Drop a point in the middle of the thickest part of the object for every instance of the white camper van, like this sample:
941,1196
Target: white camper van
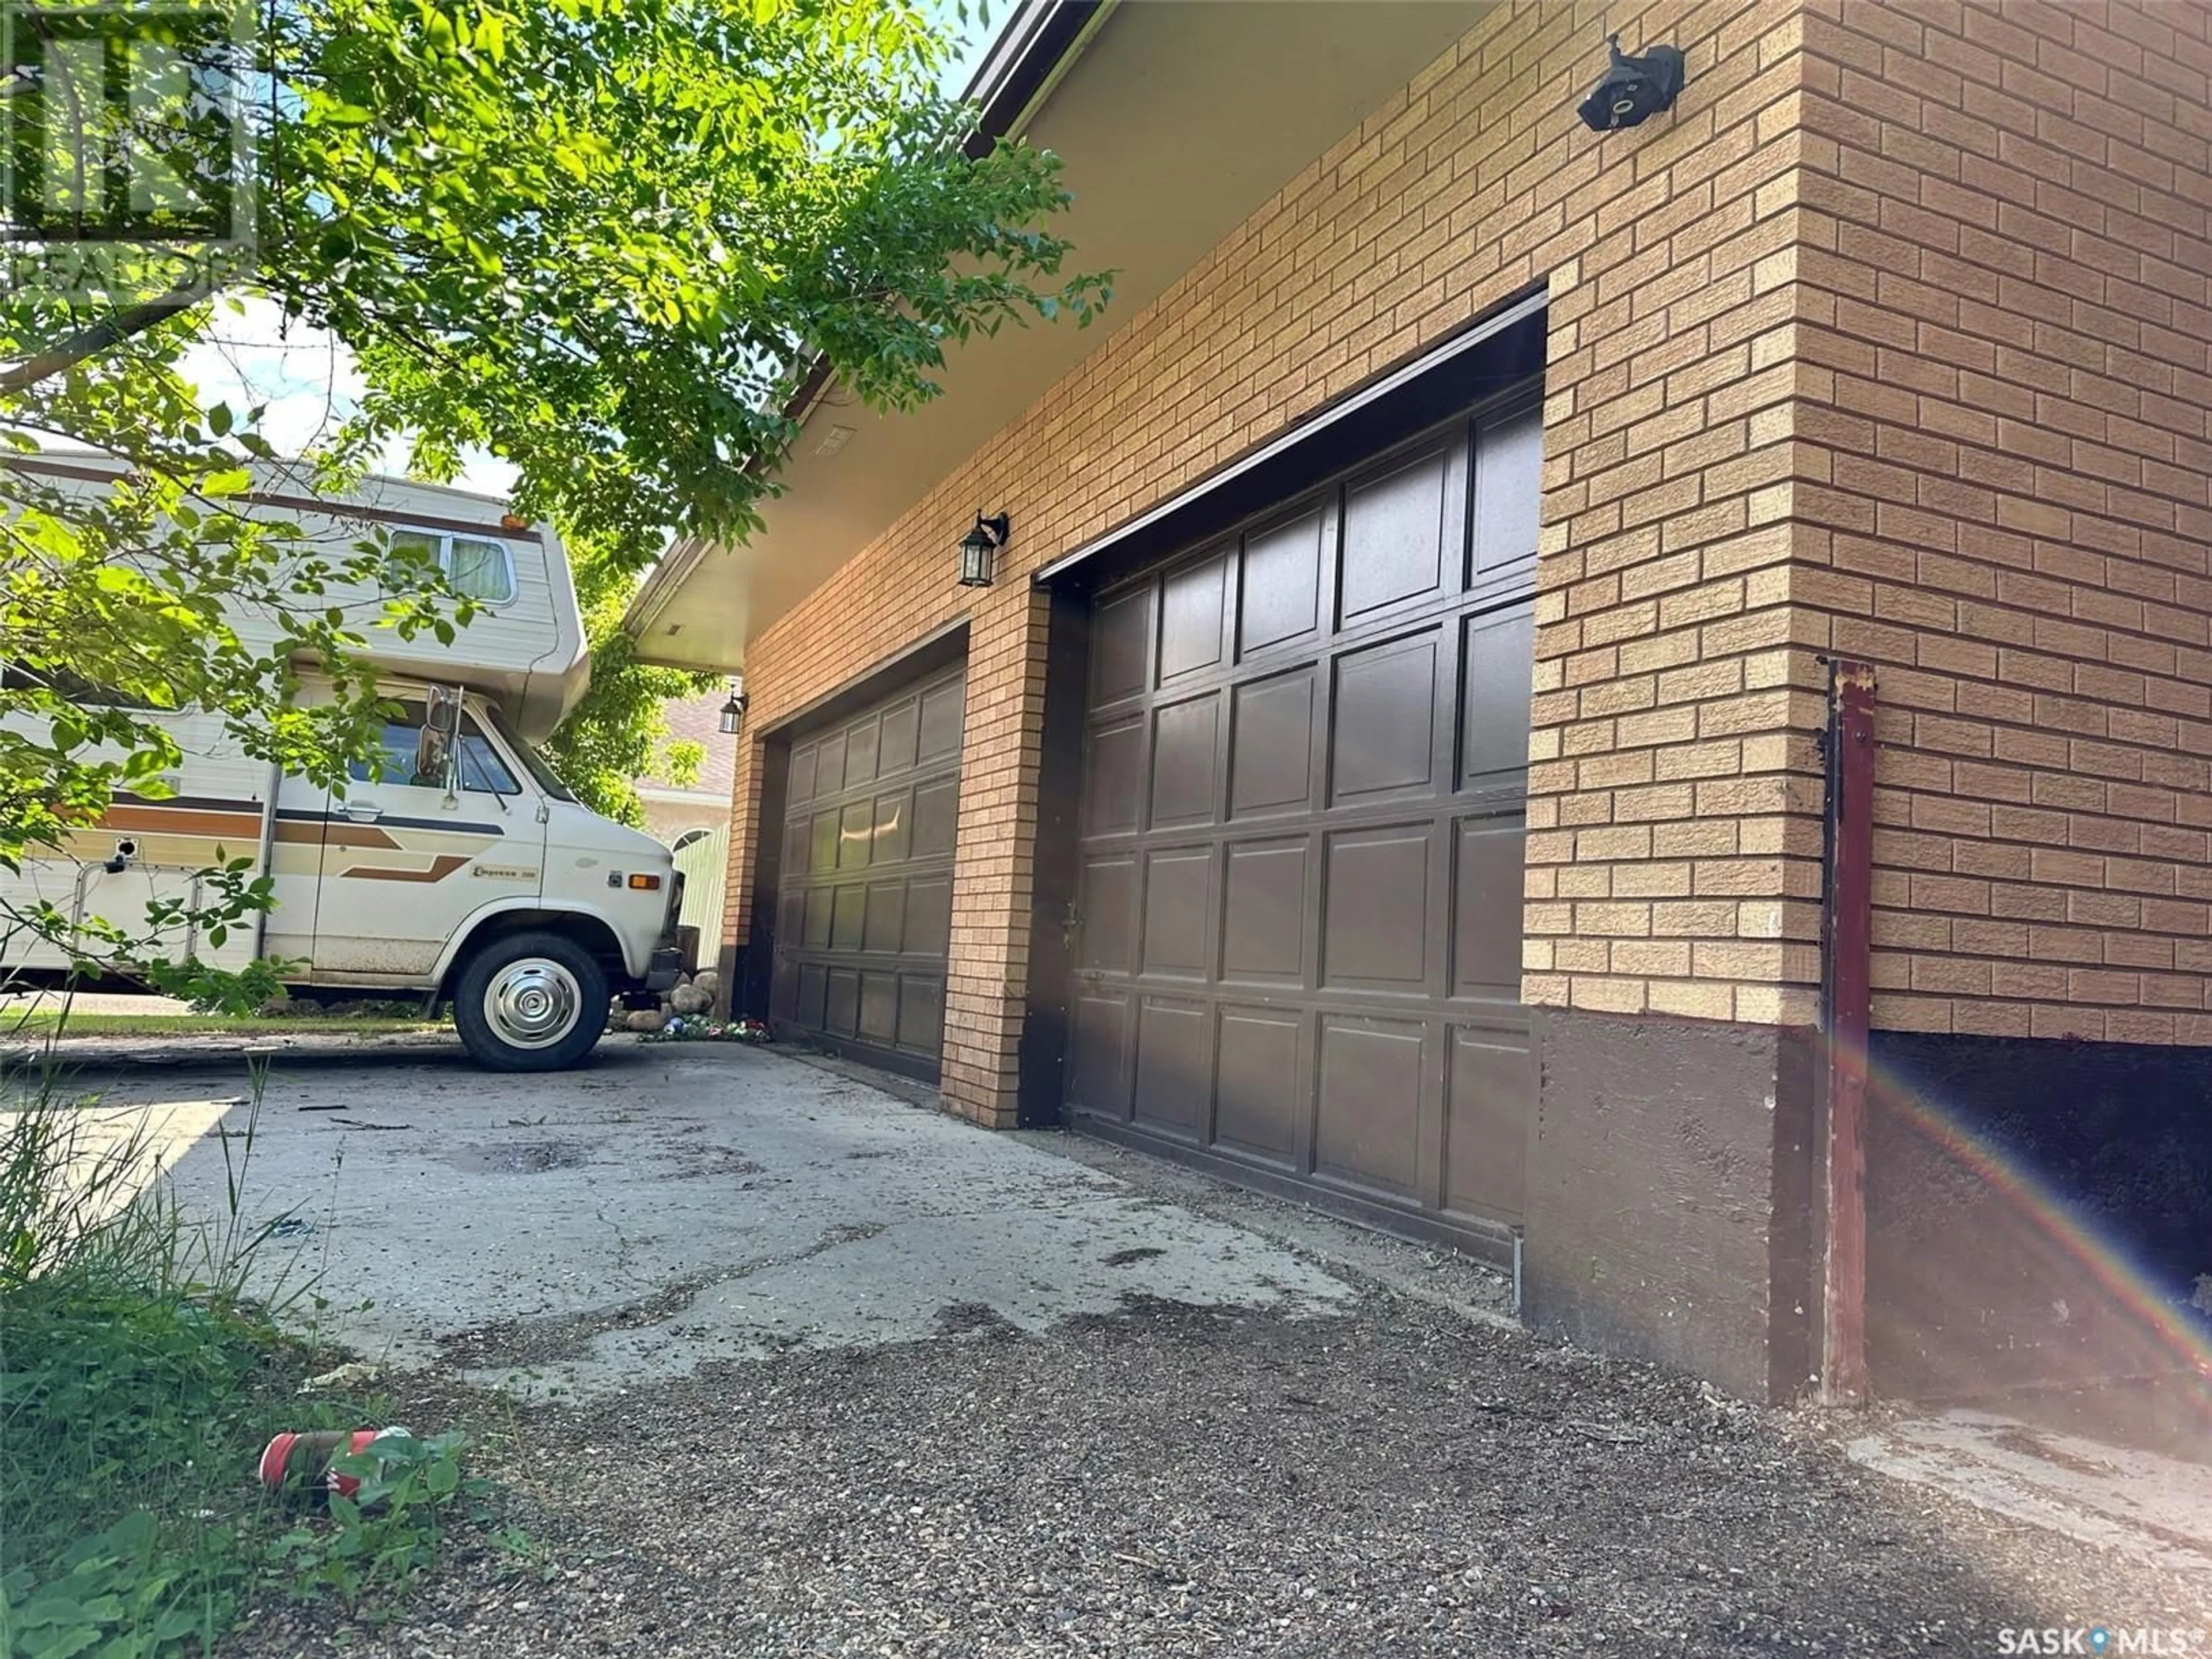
460,870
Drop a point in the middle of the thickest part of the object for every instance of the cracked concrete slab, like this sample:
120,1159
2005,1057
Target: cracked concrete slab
2142,1505
671,1206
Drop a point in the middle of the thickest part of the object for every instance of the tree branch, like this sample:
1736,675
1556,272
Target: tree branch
110,330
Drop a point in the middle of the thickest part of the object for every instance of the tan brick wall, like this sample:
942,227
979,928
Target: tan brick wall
1674,799
2007,350
1670,679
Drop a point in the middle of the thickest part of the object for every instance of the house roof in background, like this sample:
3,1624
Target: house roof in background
699,720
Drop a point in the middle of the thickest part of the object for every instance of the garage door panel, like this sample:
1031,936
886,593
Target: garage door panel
830,765
895,752
1098,1070
1367,1127
1509,487
920,1014
798,784
856,828
1193,609
1495,680
813,994
1487,1123
842,1015
859,955
1271,744
928,930
1400,539
1113,778
1486,901
1259,1088
1377,915
1186,745
816,936
1263,912
939,722
1279,597
1382,733
888,838
1175,1066
1121,646
936,818
1302,865
848,916
882,928
1178,907
861,752
1109,910
878,1019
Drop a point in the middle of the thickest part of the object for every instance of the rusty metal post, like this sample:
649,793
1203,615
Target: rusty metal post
1848,995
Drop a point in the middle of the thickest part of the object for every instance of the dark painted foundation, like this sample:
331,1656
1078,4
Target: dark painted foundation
1671,1196
1992,1166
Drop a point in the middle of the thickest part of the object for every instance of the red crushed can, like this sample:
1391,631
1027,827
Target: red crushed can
305,1458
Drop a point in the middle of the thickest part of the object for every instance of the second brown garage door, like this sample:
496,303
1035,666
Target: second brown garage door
1305,771
864,911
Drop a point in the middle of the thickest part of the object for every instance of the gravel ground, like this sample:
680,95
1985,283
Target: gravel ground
1398,1481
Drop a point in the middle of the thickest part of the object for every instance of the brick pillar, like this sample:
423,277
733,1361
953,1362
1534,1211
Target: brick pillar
1675,847
986,972
737,888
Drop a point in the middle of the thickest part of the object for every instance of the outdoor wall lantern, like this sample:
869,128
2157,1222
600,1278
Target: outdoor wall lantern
1633,87
733,711
979,548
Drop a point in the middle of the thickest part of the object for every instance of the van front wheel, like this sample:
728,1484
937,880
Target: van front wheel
532,1002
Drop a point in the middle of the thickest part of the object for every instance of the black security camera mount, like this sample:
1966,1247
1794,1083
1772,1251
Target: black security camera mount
1634,88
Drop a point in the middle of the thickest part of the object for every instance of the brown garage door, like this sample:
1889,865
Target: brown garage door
1305,770
864,909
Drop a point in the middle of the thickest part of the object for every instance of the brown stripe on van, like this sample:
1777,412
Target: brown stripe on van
183,820
441,866
332,833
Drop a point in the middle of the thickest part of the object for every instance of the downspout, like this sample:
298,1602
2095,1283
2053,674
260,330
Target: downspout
1847,996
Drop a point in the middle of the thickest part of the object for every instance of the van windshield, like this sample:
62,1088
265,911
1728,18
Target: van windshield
532,762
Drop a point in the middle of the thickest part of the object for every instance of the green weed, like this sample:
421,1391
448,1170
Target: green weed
138,1382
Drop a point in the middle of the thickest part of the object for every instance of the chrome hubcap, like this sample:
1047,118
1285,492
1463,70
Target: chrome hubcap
533,1003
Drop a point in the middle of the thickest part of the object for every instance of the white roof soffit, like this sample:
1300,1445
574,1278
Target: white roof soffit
1133,91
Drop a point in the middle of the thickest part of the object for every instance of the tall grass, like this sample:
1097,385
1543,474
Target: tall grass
138,1382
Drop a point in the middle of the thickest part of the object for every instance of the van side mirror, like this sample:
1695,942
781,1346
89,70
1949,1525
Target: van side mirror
437,752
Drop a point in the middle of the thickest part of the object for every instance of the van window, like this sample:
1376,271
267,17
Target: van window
483,769
476,566
480,569
396,749
533,762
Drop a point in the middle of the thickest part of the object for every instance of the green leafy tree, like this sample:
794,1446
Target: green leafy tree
603,240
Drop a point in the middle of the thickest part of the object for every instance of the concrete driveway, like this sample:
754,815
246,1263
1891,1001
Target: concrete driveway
787,1365
670,1205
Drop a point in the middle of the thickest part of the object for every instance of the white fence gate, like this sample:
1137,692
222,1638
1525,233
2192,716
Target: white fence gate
705,864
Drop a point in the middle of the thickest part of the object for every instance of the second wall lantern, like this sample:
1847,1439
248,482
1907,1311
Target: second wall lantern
979,549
